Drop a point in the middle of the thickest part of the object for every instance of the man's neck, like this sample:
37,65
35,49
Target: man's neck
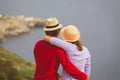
52,36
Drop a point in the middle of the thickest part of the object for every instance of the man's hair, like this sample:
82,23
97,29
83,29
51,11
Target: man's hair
53,33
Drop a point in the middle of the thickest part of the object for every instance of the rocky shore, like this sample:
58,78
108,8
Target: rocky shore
15,25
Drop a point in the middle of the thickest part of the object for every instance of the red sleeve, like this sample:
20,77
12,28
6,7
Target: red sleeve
69,67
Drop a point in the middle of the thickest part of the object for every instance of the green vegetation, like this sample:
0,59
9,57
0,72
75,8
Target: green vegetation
13,67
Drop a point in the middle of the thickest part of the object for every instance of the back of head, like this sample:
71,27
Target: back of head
52,27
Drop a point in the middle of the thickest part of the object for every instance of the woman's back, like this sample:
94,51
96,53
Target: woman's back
81,59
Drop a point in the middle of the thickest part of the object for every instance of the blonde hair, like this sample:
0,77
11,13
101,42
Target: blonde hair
78,44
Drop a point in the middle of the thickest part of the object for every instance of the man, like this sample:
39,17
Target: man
48,57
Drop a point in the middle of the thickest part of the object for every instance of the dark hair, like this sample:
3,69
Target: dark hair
53,33
78,44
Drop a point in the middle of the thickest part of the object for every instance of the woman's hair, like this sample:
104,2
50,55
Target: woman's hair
78,44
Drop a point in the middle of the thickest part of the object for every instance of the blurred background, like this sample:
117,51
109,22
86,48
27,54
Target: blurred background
97,20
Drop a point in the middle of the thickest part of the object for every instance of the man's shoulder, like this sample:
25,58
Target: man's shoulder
39,42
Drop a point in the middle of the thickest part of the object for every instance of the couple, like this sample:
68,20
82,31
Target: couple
51,52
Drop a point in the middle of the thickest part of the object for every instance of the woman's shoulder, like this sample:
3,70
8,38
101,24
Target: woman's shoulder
86,51
85,48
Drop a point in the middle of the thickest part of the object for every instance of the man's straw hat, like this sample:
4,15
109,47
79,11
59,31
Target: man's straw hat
70,33
51,24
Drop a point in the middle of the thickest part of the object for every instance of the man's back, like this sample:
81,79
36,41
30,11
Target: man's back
46,61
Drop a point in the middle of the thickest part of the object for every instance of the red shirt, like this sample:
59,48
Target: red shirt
48,57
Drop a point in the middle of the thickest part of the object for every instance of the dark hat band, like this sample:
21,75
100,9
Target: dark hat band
52,26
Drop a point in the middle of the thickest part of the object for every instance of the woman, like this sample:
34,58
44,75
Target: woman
77,53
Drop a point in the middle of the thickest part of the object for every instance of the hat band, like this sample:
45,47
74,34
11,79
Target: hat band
52,26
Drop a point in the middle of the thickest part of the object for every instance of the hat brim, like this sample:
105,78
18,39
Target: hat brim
62,34
52,29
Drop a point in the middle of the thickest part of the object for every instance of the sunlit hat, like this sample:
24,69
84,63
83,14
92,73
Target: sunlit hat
70,33
51,24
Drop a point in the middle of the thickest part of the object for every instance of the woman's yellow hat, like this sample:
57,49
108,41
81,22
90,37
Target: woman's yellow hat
70,33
